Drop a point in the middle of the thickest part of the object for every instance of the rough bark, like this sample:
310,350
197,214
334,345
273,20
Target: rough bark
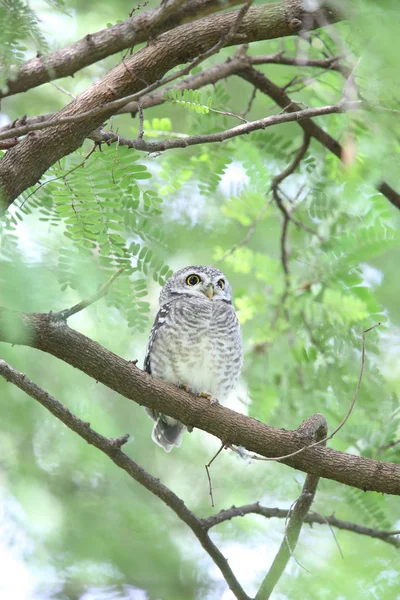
97,46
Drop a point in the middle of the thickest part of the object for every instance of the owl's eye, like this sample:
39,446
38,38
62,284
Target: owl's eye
192,279
221,283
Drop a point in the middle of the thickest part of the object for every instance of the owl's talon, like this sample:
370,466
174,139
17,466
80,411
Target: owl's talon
185,387
208,397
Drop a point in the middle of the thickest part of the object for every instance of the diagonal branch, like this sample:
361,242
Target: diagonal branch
112,448
194,140
49,334
97,46
296,520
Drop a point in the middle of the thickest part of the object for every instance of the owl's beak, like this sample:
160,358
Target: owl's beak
209,291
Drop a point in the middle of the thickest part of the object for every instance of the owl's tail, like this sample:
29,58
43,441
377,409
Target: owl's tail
167,435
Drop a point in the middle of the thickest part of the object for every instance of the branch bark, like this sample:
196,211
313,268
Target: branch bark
97,46
50,334
24,164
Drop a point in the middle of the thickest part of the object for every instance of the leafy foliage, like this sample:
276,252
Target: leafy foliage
91,530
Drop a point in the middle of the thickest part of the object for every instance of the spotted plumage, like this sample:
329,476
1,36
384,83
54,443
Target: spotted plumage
195,341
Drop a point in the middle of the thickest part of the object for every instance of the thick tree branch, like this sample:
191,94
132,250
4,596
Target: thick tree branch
112,448
24,164
391,537
96,46
279,96
50,334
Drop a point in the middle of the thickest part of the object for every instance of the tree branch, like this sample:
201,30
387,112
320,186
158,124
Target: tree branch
311,518
194,82
24,164
97,46
318,428
112,448
279,96
221,136
50,334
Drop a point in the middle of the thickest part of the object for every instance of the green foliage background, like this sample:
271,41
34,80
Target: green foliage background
72,525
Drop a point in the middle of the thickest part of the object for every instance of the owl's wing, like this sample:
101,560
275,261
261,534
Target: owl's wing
158,323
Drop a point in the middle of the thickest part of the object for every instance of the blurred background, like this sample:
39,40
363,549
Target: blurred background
73,526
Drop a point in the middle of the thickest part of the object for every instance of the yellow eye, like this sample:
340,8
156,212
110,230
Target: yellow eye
221,283
193,279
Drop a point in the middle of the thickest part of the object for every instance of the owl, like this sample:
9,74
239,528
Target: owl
195,342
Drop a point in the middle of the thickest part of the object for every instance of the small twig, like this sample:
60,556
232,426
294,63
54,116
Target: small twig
120,441
61,89
250,102
8,143
345,418
68,312
88,155
209,476
249,234
333,535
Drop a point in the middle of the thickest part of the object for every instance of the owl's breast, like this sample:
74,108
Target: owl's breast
199,345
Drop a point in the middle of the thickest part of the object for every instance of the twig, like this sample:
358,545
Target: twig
103,290
209,476
112,448
250,102
249,234
63,176
8,143
311,518
333,535
63,90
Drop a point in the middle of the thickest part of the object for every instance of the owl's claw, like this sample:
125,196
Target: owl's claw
185,387
208,397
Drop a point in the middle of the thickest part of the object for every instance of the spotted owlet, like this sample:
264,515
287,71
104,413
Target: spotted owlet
195,342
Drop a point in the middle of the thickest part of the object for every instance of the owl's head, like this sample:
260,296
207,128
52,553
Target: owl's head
206,283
